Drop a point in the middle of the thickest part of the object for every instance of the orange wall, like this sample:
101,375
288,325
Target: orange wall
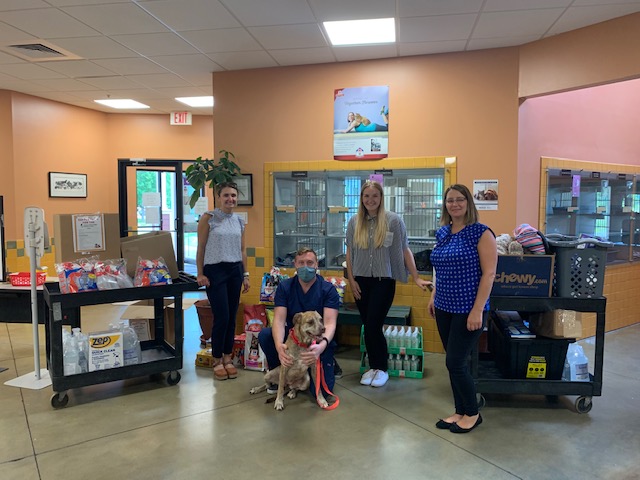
45,136
601,53
462,105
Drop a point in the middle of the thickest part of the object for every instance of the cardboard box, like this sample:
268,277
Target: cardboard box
63,234
149,246
557,324
526,276
144,310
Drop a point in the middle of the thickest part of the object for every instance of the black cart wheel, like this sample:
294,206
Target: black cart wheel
584,404
481,401
173,378
59,400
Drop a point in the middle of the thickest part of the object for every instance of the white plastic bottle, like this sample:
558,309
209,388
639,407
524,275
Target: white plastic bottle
414,363
83,349
415,338
401,338
391,362
578,364
406,363
130,345
387,334
70,356
393,337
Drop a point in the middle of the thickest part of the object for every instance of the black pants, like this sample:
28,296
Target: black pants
458,343
376,297
225,283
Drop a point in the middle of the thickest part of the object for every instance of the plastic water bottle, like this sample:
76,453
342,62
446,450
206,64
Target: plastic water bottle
406,363
83,349
414,363
392,362
130,345
576,368
70,356
387,334
415,338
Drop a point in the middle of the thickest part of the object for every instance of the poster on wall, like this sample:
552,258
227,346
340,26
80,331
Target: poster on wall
88,233
361,123
485,194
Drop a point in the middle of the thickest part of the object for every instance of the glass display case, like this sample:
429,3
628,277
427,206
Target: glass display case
312,209
598,204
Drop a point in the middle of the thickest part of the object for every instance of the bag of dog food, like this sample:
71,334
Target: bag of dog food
270,282
255,319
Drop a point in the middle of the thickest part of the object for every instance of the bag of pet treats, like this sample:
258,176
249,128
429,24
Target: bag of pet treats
340,283
112,274
270,282
152,272
255,319
77,276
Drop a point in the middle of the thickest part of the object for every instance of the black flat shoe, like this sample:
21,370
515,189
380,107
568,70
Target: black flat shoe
455,428
442,425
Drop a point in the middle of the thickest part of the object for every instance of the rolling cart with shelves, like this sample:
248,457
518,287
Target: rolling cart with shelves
158,355
489,380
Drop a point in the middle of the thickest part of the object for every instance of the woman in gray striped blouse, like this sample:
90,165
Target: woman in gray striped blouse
378,255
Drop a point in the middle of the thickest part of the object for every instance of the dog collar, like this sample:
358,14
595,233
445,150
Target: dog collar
292,334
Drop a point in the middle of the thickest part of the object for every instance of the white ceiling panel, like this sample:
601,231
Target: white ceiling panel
160,49
116,19
191,14
270,12
288,36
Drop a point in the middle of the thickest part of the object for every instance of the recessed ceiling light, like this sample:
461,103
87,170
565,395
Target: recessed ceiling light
196,101
122,103
361,32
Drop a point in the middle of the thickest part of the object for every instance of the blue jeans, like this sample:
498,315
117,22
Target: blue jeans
458,343
265,339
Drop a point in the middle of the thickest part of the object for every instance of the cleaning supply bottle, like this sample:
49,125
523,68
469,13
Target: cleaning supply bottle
130,345
391,362
83,349
400,342
576,364
394,337
415,338
70,356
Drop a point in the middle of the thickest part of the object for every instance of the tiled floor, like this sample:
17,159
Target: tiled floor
143,428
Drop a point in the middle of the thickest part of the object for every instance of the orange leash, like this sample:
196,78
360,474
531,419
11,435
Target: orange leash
320,379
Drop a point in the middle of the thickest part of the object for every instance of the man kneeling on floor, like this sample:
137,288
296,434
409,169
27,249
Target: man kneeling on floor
305,291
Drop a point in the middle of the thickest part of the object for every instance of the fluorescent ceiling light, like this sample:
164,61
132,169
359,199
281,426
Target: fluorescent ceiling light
361,32
196,101
122,103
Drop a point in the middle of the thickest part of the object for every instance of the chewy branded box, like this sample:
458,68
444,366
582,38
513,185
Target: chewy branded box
149,246
105,350
525,276
557,324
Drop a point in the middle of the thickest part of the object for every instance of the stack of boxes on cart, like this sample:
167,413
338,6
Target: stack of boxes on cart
534,345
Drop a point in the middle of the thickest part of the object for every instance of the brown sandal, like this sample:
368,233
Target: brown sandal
229,367
219,371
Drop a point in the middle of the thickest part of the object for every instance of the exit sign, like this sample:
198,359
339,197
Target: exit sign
180,118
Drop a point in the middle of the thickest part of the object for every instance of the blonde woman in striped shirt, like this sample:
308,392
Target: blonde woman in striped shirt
378,255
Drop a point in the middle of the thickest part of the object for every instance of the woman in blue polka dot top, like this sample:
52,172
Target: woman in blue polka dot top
464,264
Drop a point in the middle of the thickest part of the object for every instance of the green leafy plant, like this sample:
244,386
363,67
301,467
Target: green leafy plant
205,172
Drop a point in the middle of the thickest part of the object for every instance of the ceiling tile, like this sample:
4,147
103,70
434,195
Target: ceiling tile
482,43
423,8
243,60
187,63
270,12
506,5
130,66
438,28
116,82
47,23
7,5
303,56
95,47
79,68
346,54
328,10
66,85
116,19
223,40
579,17
427,48
9,34
69,3
29,71
516,23
149,44
159,80
287,36
191,14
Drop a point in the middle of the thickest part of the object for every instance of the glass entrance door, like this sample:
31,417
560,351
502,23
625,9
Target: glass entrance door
152,196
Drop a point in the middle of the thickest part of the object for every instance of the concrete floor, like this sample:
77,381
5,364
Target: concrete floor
143,428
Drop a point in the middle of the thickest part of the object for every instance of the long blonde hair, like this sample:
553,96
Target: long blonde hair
361,233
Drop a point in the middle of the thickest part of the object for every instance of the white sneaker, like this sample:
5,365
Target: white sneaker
367,377
379,379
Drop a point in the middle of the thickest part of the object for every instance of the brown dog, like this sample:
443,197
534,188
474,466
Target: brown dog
307,327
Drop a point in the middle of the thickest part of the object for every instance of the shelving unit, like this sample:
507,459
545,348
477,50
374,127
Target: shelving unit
489,380
157,355
313,208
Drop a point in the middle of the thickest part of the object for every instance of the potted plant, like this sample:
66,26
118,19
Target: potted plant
205,172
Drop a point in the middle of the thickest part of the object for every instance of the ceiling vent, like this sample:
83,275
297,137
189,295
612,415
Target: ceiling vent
39,51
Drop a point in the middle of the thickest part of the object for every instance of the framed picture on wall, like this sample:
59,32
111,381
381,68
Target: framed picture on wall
245,188
67,185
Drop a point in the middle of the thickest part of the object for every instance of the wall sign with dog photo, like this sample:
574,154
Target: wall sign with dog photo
485,194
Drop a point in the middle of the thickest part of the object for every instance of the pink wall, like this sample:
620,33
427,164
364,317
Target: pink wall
597,124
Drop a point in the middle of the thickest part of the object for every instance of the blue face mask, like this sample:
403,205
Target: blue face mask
306,274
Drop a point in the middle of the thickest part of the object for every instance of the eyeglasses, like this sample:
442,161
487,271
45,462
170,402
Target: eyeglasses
451,201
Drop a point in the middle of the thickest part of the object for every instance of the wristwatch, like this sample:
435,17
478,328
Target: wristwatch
326,340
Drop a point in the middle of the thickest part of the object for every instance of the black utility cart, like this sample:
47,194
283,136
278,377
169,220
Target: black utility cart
158,355
489,379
